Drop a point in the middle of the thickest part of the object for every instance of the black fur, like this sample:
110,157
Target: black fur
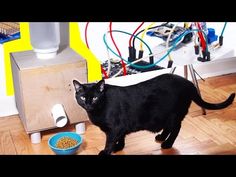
157,104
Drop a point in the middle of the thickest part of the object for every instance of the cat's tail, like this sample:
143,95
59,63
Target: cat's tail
200,102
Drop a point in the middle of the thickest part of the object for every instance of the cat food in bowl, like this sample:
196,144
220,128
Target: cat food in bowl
65,143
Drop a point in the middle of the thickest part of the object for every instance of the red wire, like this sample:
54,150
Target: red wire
130,39
85,34
203,43
122,62
104,72
86,40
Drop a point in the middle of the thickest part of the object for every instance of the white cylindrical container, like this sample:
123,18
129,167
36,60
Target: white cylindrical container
59,115
35,138
45,38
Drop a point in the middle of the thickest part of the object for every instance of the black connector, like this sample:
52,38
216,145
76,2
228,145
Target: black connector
187,38
140,54
196,49
170,63
221,40
151,60
200,59
208,56
132,54
205,56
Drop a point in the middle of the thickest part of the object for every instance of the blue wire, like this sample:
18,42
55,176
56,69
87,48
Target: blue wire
162,58
223,29
150,50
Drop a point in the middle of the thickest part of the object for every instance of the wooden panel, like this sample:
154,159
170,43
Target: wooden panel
17,89
45,87
28,59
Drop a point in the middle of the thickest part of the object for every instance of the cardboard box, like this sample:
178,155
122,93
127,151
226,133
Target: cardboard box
40,84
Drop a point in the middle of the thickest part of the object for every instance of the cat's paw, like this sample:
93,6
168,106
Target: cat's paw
103,153
159,138
166,145
118,147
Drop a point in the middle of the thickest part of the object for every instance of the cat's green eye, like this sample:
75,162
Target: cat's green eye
82,98
95,98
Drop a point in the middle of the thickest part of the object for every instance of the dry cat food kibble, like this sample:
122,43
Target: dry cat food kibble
66,142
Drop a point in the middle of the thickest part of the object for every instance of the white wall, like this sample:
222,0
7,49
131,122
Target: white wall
7,103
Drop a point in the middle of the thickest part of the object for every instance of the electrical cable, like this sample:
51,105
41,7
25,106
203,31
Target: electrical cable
168,40
85,34
147,66
109,59
86,40
151,55
202,41
133,43
104,39
204,35
130,40
124,32
141,51
136,61
104,72
222,32
177,41
122,62
221,35
144,32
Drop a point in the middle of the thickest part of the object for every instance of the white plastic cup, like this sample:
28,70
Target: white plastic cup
45,38
80,128
59,115
35,138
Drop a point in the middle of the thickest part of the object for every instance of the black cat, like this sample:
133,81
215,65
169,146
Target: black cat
160,103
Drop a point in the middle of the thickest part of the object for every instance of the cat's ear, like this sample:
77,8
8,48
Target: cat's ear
78,86
101,85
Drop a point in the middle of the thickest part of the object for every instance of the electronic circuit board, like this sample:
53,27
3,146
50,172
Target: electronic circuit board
9,31
116,66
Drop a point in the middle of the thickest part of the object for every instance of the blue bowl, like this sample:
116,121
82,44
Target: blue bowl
69,151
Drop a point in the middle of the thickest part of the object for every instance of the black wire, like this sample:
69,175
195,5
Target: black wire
149,29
